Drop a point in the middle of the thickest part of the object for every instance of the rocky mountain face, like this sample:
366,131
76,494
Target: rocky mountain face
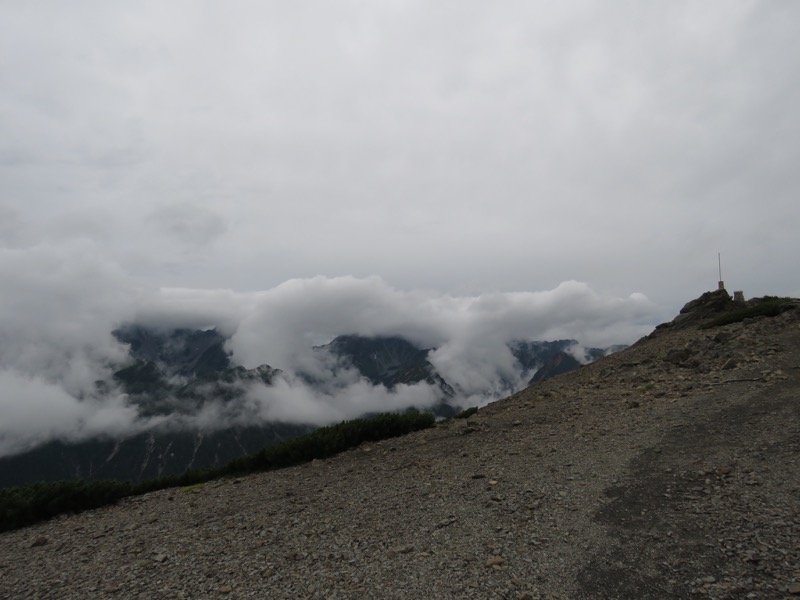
561,362
540,360
668,470
172,373
387,361
392,361
179,372
186,352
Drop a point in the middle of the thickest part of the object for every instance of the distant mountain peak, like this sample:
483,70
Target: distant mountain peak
180,351
383,360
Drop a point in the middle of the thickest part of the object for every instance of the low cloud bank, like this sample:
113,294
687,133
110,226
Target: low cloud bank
59,307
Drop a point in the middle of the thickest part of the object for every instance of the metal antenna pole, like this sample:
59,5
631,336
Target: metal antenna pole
719,261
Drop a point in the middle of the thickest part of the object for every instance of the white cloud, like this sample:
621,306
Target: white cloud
36,411
62,303
293,401
56,315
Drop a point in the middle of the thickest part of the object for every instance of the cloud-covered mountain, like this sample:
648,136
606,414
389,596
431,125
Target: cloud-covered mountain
182,371
206,409
60,306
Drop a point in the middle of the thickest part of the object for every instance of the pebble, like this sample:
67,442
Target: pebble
495,561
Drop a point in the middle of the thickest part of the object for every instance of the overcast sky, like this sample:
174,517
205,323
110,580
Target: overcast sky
403,157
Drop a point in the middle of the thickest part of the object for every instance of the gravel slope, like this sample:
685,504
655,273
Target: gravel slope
669,470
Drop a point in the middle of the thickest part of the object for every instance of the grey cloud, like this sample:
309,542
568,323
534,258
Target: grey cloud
190,225
619,146
11,227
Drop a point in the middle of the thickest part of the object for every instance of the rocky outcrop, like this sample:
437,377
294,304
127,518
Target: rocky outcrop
700,310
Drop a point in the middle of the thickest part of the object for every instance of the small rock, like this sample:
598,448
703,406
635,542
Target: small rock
678,355
631,404
794,589
722,337
39,541
729,364
225,589
495,561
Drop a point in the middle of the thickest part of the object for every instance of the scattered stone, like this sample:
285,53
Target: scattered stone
39,541
495,561
722,337
678,355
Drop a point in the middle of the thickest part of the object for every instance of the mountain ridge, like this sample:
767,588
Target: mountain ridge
669,469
